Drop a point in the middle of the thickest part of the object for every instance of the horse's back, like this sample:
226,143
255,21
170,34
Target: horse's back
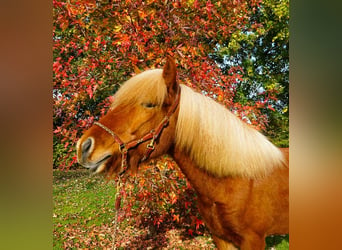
286,153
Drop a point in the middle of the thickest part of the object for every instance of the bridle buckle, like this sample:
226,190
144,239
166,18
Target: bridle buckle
122,148
151,144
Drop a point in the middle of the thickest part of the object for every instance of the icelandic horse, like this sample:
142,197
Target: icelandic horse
241,178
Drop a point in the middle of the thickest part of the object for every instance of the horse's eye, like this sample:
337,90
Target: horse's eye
148,105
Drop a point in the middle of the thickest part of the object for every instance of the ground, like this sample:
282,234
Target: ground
84,212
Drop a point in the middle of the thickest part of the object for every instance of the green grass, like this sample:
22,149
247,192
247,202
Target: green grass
83,195
83,212
279,242
81,204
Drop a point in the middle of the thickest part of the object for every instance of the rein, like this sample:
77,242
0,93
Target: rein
152,135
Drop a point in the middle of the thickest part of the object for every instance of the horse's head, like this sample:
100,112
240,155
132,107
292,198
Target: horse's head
140,123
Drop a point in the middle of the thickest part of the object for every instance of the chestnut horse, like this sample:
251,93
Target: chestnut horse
240,177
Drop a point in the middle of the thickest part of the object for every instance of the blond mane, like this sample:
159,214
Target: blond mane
148,86
221,143
215,139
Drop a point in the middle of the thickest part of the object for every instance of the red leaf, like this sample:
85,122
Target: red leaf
175,217
271,108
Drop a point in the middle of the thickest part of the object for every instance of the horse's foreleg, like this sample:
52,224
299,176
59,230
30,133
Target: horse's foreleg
223,245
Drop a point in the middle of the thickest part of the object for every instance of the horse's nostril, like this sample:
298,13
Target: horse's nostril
86,146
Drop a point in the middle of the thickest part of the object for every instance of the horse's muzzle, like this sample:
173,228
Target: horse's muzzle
83,152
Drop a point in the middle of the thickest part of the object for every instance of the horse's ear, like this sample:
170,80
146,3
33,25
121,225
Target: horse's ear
170,74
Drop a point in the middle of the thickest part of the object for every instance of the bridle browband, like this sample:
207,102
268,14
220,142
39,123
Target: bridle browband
152,135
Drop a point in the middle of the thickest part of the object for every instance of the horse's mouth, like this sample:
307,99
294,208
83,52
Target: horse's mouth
98,166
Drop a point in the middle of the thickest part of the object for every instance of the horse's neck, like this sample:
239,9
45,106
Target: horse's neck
206,185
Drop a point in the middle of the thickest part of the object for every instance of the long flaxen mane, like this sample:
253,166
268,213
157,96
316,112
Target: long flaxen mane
216,139
221,143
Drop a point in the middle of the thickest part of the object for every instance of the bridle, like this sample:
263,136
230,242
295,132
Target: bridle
152,135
